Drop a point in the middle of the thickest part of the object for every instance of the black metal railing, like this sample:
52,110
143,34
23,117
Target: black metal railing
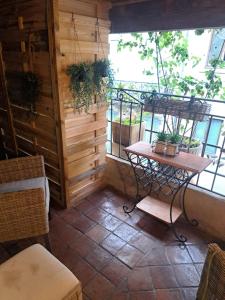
129,122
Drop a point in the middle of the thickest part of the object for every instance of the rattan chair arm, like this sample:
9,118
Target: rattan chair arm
21,168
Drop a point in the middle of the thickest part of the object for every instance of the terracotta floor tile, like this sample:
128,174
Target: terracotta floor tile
169,295
97,198
98,233
69,215
144,295
178,255
113,243
110,222
129,255
125,232
83,271
133,220
140,279
142,242
64,232
99,258
115,271
190,293
83,245
197,252
108,205
119,213
163,277
99,288
96,214
83,224
155,257
121,296
84,206
186,275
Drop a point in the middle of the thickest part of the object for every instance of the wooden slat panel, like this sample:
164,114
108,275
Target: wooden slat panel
84,47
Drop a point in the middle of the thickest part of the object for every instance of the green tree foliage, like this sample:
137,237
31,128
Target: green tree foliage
168,55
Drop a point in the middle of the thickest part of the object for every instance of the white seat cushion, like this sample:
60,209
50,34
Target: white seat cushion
32,183
35,274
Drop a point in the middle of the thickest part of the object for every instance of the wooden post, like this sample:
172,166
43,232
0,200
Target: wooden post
3,83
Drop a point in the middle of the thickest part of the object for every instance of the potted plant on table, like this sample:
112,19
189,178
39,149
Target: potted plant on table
172,145
160,144
192,146
127,132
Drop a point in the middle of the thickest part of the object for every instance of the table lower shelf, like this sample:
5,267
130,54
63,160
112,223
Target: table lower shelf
159,209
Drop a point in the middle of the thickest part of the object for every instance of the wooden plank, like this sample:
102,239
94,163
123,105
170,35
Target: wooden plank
53,28
73,18
84,47
185,161
85,128
89,143
82,165
159,209
84,192
78,7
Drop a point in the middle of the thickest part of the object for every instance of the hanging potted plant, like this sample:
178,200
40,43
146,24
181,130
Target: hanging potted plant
102,76
27,91
81,84
160,144
172,145
86,80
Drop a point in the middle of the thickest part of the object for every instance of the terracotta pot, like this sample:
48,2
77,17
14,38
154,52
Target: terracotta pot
171,149
160,147
129,134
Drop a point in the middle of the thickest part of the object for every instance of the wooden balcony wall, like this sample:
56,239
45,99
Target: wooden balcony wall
84,134
73,144
23,133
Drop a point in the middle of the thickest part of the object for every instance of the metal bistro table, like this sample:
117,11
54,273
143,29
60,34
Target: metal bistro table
161,175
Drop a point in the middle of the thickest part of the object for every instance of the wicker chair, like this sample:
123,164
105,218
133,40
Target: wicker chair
24,199
212,283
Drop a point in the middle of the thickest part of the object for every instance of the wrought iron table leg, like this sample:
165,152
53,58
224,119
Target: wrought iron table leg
179,237
193,222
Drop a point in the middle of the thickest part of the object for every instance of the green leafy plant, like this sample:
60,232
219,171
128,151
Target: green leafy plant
127,121
86,80
162,137
190,143
30,88
174,138
102,75
168,54
81,84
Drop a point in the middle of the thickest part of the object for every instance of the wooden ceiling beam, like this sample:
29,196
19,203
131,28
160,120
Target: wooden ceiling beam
155,15
126,2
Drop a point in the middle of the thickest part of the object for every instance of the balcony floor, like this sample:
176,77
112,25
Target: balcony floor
123,257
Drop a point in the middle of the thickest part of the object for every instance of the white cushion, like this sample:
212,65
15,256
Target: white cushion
21,185
35,274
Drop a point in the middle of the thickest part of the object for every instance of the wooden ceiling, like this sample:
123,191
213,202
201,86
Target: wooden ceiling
126,2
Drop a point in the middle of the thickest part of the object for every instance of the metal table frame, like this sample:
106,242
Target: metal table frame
155,177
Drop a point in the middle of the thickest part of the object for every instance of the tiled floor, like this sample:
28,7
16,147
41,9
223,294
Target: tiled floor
121,257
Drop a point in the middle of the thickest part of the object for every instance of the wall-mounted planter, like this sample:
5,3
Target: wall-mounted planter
191,110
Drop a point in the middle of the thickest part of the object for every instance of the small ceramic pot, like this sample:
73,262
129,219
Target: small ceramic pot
171,149
160,147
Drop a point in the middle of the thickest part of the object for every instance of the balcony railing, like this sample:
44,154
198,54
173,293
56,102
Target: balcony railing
128,122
